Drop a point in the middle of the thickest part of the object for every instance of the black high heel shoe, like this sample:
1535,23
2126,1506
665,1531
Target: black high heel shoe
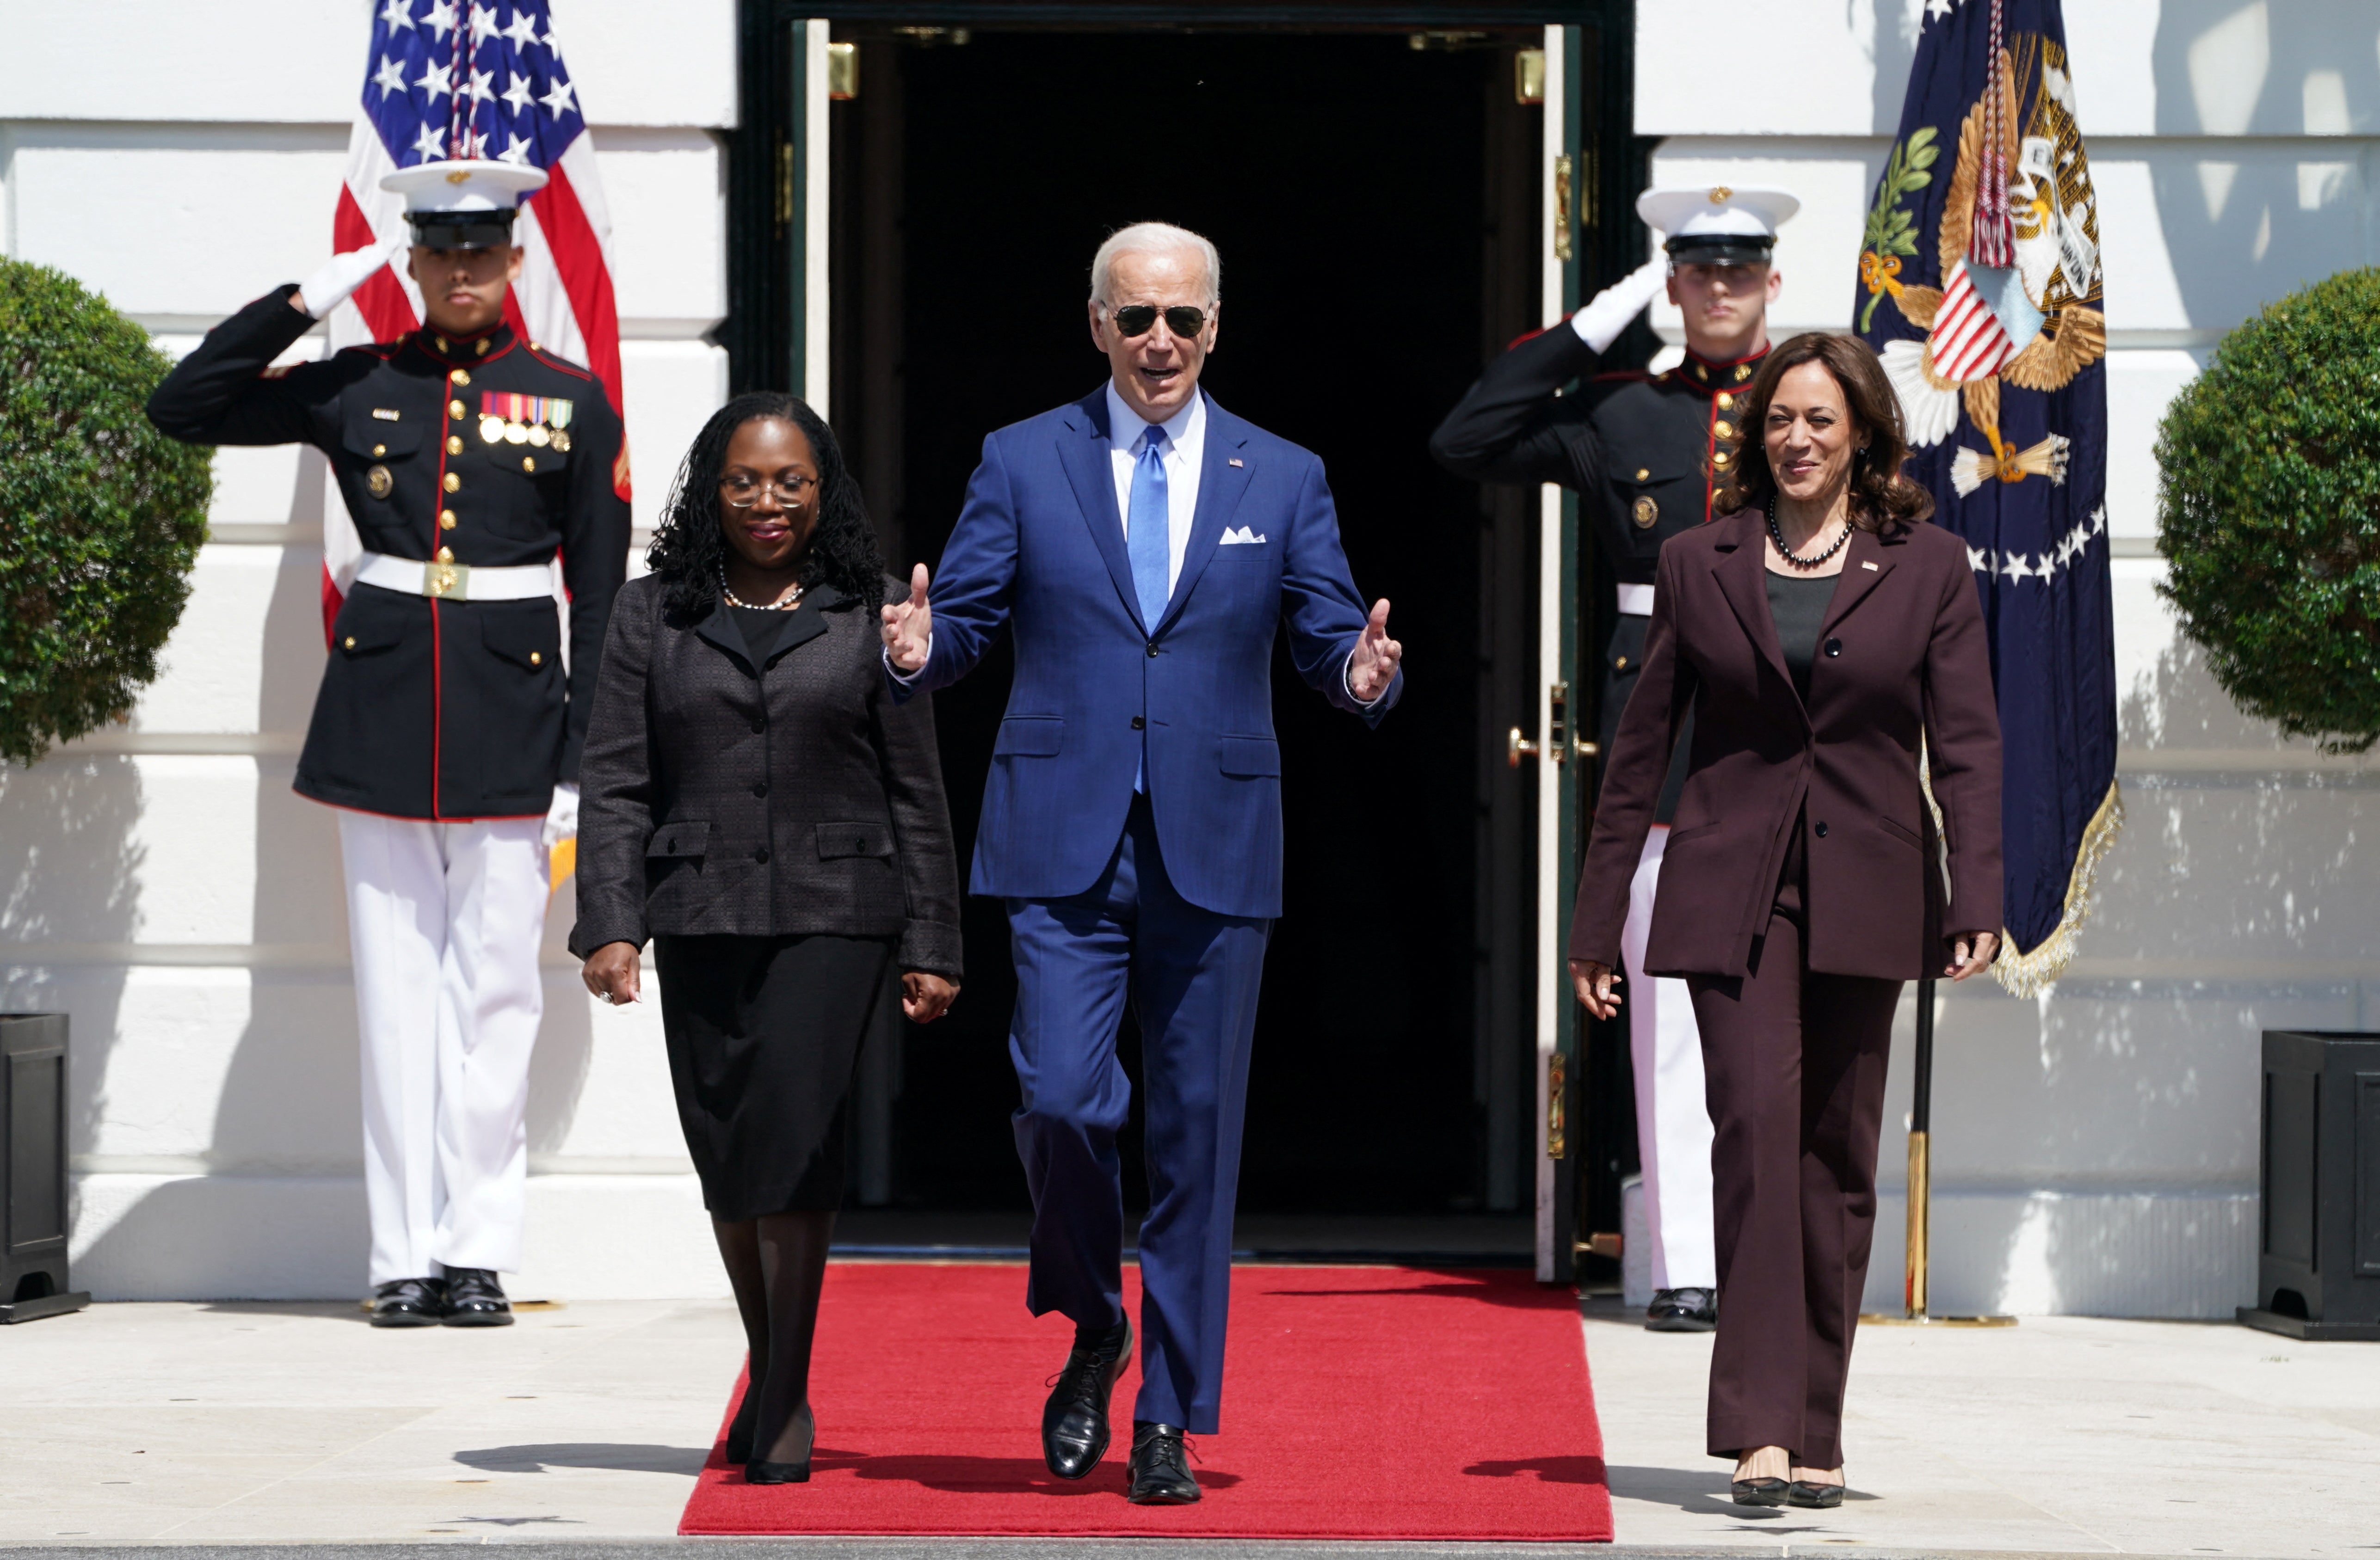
1814,1495
763,1473
739,1429
1760,1491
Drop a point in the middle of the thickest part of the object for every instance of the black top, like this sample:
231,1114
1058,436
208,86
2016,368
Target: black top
487,453
761,628
1797,603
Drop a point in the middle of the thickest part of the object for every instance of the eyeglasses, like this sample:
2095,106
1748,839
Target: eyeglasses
742,493
1139,319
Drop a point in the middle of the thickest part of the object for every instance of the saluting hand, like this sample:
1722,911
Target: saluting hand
1374,665
909,626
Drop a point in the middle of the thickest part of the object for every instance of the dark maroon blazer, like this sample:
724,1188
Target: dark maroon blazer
1903,657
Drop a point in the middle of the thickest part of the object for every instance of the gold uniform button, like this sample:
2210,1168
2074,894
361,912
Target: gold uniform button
460,377
1726,400
379,449
349,641
1743,372
441,341
1643,472
482,348
537,658
455,409
1720,459
529,463
454,444
454,482
445,555
1724,429
445,519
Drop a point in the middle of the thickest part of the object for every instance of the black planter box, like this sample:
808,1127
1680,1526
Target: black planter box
2318,1246
33,1168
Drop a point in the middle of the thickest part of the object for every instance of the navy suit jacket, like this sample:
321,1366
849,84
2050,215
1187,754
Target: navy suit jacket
1040,546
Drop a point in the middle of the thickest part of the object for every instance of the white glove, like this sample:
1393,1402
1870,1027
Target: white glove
331,286
1607,313
561,818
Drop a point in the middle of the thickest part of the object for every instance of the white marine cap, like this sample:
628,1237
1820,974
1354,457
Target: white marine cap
463,205
1716,224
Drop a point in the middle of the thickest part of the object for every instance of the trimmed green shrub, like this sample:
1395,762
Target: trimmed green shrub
2269,512
101,515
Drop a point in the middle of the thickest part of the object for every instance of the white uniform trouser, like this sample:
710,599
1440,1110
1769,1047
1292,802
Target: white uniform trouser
1673,1125
445,920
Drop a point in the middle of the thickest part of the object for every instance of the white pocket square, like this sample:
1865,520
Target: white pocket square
1240,537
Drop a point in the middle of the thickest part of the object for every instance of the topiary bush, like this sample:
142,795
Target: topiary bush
2269,512
101,515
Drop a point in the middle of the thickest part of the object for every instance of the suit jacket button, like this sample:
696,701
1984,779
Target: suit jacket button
1138,722
759,727
761,855
761,789
1822,831
1152,648
1834,646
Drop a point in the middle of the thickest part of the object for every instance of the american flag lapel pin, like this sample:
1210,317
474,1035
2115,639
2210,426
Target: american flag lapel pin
1866,565
1236,460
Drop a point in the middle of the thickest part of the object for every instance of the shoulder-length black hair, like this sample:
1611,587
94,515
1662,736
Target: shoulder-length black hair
688,550
1880,495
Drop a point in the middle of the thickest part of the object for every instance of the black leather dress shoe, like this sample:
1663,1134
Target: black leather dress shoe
474,1299
1161,1466
1817,1496
1683,1311
1075,1419
408,1302
1759,1491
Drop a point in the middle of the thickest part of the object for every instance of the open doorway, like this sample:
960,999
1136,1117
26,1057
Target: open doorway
1374,197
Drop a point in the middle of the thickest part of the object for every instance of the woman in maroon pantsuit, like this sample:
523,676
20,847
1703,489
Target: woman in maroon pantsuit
1825,637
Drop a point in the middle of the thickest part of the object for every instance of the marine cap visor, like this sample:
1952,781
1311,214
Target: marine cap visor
461,229
1720,248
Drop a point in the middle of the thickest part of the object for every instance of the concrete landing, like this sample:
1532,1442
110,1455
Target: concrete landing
579,1431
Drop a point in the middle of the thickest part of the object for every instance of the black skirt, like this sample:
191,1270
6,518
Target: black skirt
763,1035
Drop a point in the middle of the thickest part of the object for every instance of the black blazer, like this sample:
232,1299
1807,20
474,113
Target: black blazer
721,797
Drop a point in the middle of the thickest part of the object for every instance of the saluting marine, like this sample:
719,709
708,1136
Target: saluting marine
1645,452
448,725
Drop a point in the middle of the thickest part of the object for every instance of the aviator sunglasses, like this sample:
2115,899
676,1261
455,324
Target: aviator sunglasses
1139,319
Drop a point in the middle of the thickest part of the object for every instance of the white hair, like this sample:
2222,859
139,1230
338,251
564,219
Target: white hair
1154,238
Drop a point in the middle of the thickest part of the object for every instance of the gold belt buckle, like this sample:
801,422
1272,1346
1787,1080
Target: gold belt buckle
449,581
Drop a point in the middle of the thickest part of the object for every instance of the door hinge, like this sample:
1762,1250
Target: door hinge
785,181
1556,1118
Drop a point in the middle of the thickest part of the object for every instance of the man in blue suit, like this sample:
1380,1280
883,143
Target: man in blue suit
1143,545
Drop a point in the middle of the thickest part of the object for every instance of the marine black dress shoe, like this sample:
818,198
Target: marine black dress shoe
474,1299
408,1302
1075,1419
1683,1311
1161,1466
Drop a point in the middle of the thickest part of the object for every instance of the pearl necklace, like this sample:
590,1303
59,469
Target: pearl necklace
780,605
1788,554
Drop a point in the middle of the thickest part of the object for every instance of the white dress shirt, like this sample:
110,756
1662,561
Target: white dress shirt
1186,442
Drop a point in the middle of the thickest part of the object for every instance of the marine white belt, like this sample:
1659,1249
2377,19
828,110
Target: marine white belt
1636,600
455,582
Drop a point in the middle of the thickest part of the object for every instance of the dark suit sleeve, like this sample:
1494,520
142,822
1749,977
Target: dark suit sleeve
971,592
619,779
1319,603
1962,750
219,394
1632,783
594,561
1511,426
912,768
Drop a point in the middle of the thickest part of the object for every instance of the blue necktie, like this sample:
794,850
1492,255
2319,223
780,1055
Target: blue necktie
1148,528
1146,538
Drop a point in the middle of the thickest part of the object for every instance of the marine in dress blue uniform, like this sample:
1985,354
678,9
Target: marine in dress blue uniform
451,712
1645,452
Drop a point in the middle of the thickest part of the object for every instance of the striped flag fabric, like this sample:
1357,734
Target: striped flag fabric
463,79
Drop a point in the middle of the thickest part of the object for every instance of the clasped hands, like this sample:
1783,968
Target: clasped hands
1970,954
615,973
908,629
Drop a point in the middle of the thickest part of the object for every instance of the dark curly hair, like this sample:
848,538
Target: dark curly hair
689,551
1880,495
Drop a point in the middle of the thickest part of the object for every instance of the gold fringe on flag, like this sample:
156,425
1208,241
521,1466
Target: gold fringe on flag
2034,970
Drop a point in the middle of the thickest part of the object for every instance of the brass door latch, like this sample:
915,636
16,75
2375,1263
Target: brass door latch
1556,1118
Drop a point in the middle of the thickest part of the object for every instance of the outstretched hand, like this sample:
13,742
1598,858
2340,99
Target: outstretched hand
909,626
1373,664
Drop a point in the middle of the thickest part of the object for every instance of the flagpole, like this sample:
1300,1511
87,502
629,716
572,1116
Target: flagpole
1921,1189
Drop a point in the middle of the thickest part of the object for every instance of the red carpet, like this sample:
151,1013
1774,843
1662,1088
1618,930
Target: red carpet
1360,1402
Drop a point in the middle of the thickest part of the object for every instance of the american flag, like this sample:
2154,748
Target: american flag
462,79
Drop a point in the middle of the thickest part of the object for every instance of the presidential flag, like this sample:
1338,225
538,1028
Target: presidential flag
1979,286
459,78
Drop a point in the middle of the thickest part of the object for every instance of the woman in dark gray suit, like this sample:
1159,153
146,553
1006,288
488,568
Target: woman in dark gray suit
755,802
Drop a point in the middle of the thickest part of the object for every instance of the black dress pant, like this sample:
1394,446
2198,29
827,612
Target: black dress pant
1794,1064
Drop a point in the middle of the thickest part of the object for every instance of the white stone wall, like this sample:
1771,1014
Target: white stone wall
2095,1150
160,882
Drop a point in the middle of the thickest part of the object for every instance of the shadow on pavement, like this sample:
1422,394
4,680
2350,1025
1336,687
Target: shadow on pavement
629,1457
